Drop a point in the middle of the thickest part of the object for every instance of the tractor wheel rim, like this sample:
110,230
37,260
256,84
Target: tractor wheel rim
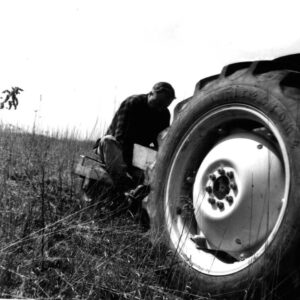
223,183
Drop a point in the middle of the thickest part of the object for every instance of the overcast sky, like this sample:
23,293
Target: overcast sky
78,59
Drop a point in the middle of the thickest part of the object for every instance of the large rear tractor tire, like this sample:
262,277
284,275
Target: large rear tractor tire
226,186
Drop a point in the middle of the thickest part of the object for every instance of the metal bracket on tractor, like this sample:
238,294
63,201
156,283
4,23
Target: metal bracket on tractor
89,168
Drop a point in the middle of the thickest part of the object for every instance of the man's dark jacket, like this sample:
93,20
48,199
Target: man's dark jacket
137,123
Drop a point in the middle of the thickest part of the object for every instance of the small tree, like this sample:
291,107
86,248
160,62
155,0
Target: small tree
11,98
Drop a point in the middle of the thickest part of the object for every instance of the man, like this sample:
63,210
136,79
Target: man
139,120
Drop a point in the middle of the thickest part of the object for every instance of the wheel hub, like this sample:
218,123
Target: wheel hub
221,187
237,194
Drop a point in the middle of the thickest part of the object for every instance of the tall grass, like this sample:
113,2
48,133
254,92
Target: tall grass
53,245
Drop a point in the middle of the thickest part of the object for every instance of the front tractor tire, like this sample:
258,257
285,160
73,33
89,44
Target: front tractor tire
225,191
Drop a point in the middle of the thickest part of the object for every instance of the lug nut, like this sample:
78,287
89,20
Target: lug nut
229,199
212,177
238,241
220,205
221,131
190,179
233,186
209,189
221,171
230,174
211,200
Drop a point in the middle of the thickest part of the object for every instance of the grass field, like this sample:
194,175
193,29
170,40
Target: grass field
52,243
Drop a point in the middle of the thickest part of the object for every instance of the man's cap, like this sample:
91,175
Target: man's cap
164,87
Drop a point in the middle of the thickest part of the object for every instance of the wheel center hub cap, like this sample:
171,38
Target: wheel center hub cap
238,193
221,187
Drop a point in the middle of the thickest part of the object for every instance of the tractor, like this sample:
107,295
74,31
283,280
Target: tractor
224,196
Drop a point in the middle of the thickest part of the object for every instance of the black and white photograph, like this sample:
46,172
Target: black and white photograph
150,149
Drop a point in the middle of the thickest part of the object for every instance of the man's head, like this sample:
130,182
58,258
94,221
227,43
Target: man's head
161,95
